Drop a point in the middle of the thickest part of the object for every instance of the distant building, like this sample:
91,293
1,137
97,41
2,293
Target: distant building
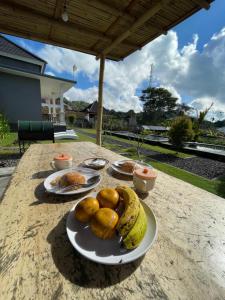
26,93
90,112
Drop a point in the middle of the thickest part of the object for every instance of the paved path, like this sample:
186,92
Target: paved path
5,176
202,166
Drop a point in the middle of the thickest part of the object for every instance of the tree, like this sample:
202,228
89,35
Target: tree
76,105
158,104
4,127
181,131
71,119
199,121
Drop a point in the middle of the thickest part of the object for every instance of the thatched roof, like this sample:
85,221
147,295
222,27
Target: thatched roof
114,28
92,108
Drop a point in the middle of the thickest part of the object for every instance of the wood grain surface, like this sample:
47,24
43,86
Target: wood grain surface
37,260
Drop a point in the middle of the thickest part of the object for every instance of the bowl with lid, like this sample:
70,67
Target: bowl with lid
62,161
144,179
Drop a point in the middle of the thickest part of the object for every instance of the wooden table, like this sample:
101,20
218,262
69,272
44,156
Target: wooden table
37,260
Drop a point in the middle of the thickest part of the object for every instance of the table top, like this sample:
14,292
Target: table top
37,261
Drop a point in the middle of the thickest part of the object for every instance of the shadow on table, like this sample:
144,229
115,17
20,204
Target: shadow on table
79,270
44,197
42,174
119,176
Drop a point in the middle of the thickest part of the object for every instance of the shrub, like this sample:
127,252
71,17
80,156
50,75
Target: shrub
4,127
71,119
181,131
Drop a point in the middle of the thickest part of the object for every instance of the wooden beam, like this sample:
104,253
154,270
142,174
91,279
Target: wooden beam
58,8
119,14
181,19
202,3
100,101
47,40
103,6
26,13
144,18
57,12
155,26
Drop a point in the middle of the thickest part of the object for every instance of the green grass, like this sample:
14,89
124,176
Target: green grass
213,186
216,186
84,138
88,130
9,140
144,146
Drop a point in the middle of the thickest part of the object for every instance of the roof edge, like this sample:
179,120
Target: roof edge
27,51
38,75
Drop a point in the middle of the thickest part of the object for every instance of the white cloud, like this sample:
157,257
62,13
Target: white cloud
217,111
88,95
189,72
62,60
173,91
91,94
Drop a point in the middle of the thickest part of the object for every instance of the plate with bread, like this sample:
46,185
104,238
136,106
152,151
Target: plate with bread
127,167
72,181
112,226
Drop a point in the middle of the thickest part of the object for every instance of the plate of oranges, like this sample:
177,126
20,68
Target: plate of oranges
112,226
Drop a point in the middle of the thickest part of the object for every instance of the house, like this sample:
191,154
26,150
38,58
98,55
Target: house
26,92
86,117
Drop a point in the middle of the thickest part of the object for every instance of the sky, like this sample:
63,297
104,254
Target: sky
189,61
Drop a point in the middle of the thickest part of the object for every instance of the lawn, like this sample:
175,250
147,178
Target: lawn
9,140
213,186
145,146
216,186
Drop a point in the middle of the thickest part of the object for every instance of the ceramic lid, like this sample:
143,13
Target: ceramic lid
145,173
63,156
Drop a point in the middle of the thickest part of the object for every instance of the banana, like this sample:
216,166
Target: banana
137,233
131,211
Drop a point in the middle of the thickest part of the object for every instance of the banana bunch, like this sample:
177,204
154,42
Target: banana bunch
132,224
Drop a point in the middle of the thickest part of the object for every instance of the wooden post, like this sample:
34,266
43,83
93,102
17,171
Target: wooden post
100,100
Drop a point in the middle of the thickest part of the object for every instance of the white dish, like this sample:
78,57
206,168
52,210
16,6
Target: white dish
86,172
95,163
115,166
108,252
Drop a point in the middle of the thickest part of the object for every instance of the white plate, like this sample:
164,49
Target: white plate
115,166
108,252
86,172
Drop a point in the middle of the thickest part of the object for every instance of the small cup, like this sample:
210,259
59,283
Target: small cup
144,179
62,161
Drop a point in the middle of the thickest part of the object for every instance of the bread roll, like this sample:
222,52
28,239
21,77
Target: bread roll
128,166
72,178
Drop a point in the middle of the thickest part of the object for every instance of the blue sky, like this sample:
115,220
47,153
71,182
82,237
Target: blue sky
205,23
189,53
